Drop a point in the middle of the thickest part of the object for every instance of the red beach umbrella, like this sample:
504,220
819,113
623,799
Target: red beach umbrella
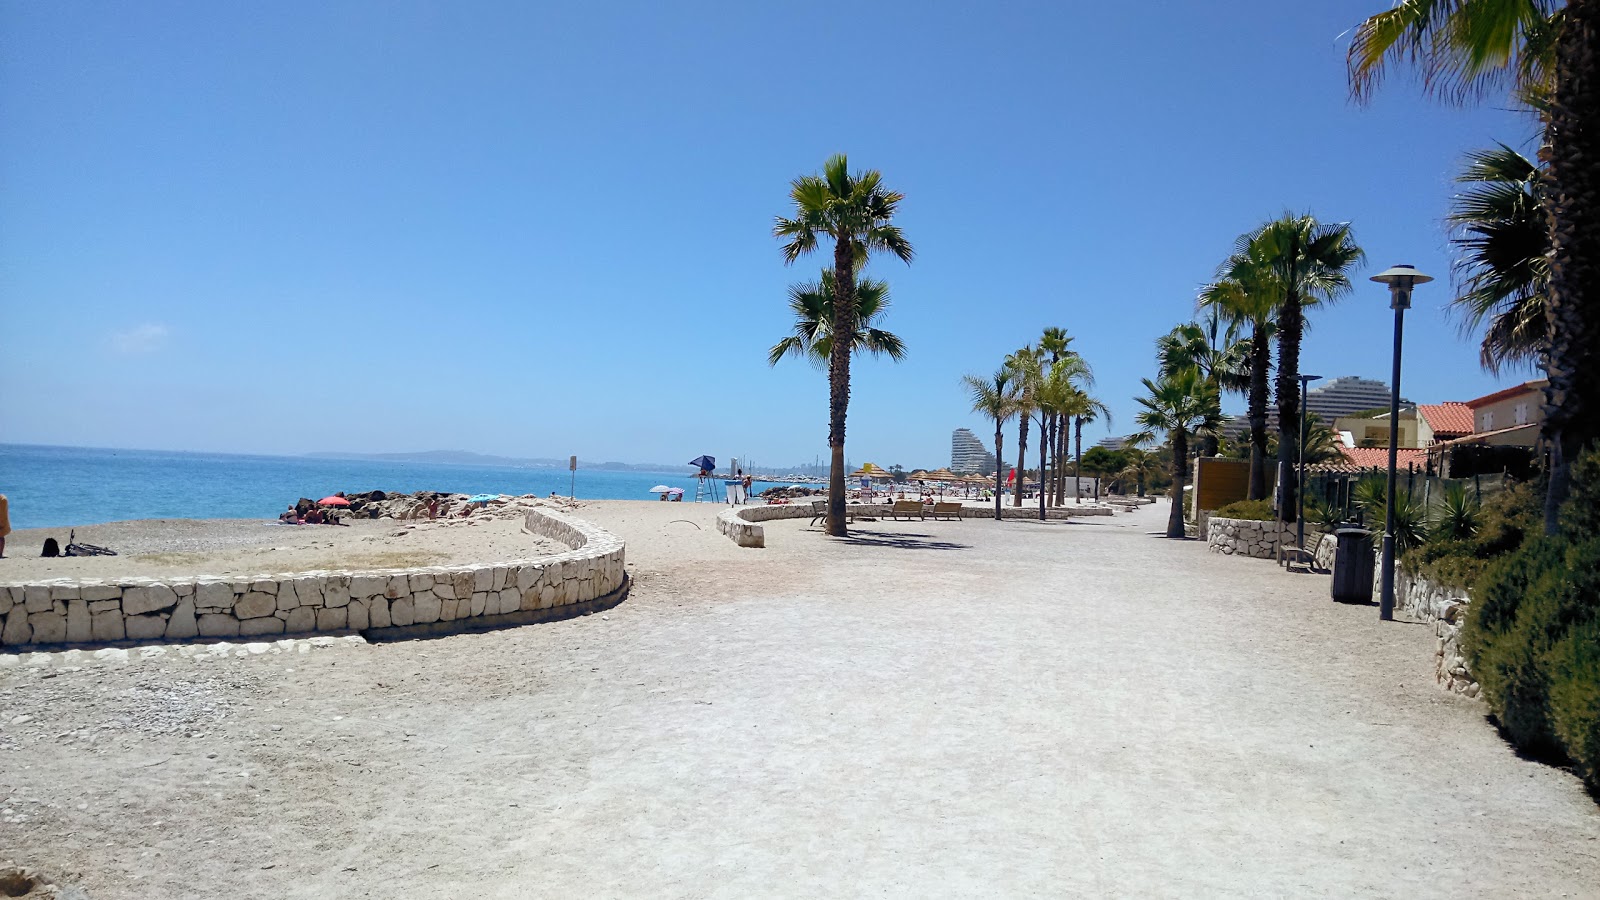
333,501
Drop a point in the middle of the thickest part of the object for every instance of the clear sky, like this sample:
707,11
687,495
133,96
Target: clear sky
541,229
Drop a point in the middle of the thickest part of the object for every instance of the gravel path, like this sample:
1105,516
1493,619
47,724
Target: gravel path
932,709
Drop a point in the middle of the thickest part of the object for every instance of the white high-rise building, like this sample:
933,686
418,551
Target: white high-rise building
1342,396
968,455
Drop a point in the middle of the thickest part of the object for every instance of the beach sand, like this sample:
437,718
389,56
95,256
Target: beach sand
927,709
173,548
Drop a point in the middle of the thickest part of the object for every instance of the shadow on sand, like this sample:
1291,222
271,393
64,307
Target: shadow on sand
900,540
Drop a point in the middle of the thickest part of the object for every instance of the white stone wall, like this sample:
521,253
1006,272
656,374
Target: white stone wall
1248,537
145,609
1446,608
739,523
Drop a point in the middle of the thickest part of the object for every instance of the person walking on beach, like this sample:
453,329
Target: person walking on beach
5,523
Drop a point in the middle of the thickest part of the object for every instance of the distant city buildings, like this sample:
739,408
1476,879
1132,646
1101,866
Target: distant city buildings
1113,443
968,455
1340,397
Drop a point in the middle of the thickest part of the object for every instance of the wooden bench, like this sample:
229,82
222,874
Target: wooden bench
947,510
819,511
907,508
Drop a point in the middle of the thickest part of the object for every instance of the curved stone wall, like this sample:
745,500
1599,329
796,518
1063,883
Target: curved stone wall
144,609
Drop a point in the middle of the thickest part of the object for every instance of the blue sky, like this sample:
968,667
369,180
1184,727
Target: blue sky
537,230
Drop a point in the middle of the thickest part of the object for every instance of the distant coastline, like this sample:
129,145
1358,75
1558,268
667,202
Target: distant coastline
468,458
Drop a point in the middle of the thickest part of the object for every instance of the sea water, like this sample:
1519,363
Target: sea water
51,487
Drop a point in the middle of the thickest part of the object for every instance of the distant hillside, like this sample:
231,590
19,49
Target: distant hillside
468,458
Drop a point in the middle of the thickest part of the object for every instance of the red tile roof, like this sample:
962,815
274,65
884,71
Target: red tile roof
1373,458
1448,418
1527,387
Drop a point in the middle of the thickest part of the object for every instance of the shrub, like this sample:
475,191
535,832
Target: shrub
1458,514
1501,524
1259,510
1532,635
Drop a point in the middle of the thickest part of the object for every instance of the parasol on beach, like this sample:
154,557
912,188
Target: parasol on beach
660,489
704,463
482,498
335,500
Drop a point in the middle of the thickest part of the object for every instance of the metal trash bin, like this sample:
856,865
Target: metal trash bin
1352,566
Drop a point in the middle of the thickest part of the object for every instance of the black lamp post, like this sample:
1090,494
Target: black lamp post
1300,477
1400,280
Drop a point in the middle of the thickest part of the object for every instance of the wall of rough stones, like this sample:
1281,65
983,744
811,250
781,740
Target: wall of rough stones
1446,608
1247,537
144,609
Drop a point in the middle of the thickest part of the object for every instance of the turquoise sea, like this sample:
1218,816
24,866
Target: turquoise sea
50,487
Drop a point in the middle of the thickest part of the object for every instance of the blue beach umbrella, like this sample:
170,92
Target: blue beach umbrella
708,463
482,498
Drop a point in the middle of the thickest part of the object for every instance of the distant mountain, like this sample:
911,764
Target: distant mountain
468,458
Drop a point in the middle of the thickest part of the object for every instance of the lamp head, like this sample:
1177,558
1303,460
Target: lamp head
1400,280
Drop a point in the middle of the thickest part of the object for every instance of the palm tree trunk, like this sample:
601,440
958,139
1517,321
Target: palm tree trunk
1260,362
1043,484
1059,436
1571,153
999,466
1180,458
1291,325
1022,458
844,307
1078,468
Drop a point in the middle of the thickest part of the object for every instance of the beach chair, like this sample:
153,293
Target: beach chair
907,508
947,511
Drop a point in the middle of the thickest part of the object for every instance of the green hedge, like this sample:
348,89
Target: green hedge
1258,510
1532,636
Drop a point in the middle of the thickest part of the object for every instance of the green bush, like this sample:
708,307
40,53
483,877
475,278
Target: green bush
1259,510
1500,525
1532,635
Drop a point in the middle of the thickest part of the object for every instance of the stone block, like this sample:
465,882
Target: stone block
255,605
301,619
182,623
268,625
498,582
482,579
217,625
5,601
264,586
419,582
444,589
152,598
397,587
64,592
48,627
356,615
367,585
17,630
425,608
144,628
218,594
288,597
336,591
332,619
400,612
185,589
79,628
107,626
463,583
378,612
447,608
530,599
36,598
93,592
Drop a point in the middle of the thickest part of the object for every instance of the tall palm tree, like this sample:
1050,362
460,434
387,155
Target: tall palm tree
857,212
1083,408
1178,405
1029,374
1220,361
995,397
1138,466
1547,53
1056,399
1308,262
1502,234
1243,295
1054,343
812,305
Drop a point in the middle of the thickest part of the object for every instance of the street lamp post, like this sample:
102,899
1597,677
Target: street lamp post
1400,280
1300,477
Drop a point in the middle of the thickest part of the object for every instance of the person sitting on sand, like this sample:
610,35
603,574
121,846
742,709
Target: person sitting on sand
313,517
289,517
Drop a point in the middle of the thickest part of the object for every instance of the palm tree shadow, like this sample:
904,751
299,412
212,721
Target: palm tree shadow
899,540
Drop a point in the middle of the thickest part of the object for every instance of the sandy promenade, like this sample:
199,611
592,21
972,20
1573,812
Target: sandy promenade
929,709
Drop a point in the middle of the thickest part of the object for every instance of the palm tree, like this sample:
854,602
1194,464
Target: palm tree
1502,273
1179,405
1083,408
1054,343
1547,53
1221,362
995,397
1056,399
1243,297
1307,262
812,305
857,212
1028,374
1138,466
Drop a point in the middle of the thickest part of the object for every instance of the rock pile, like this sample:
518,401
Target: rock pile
434,505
